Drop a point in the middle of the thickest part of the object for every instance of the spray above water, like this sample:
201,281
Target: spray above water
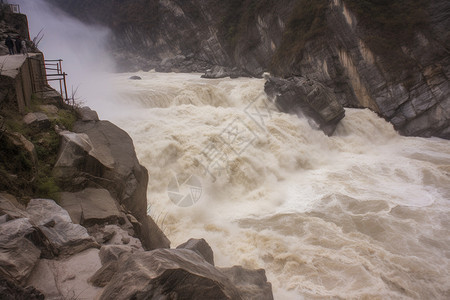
319,213
364,213
83,49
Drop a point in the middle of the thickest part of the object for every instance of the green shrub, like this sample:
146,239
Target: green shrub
46,187
66,118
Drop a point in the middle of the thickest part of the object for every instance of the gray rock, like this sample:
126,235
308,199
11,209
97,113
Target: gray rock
168,273
55,223
10,207
110,253
201,247
18,256
91,206
49,109
222,72
37,119
104,275
68,238
67,278
252,284
102,155
43,211
135,77
24,145
15,229
87,114
11,291
303,96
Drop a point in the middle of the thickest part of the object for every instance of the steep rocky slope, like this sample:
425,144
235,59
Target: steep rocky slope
392,57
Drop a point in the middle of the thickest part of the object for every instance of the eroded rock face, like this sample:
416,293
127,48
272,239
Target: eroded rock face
193,36
252,284
201,247
99,154
168,273
64,237
303,96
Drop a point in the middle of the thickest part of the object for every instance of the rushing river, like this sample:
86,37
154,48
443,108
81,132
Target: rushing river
362,214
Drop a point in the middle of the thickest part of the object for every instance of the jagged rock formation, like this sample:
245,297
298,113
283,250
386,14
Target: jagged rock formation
101,155
74,253
303,96
391,57
179,274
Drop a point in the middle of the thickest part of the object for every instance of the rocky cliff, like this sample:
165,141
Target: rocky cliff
73,207
391,57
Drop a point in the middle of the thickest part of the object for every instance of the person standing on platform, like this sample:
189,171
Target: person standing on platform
10,44
18,45
24,47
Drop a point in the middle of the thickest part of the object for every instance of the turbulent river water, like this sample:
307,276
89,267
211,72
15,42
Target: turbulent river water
364,213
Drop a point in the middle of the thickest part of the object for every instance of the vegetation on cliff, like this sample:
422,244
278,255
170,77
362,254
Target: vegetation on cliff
22,174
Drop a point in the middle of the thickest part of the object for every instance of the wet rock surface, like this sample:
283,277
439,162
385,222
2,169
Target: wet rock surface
407,83
180,274
99,154
303,96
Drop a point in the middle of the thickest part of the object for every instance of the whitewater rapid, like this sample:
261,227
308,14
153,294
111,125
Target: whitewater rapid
364,213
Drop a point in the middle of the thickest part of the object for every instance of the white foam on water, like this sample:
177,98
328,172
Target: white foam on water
364,213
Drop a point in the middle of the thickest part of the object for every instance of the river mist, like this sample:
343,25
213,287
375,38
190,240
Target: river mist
361,214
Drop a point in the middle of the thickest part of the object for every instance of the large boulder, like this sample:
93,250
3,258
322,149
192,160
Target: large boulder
10,208
100,154
168,274
67,278
303,96
91,206
38,120
201,247
87,114
252,284
64,237
17,259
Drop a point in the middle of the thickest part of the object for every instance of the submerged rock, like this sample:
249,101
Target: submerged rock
135,77
303,96
222,72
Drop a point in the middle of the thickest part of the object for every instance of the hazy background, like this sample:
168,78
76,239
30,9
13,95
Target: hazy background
81,47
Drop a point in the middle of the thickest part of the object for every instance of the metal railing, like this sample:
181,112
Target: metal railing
54,70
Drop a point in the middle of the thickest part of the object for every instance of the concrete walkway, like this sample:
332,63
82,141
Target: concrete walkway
11,64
